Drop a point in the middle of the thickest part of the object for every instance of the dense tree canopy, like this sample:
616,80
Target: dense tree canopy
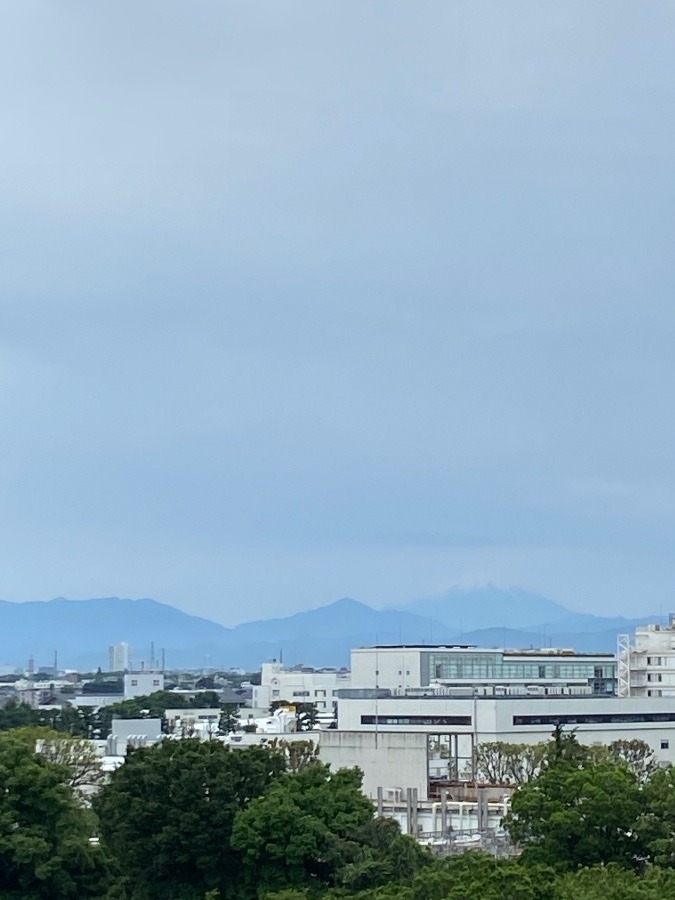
579,812
167,814
316,828
45,850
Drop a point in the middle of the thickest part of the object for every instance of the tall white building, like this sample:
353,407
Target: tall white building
119,657
647,668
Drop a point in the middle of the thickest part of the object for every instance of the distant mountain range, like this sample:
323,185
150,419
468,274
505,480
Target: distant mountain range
81,630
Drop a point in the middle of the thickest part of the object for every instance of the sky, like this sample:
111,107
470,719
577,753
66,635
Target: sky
309,300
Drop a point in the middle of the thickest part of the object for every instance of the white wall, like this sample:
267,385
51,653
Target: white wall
139,684
386,760
490,719
388,667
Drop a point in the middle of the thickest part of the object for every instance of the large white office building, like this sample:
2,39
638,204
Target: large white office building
462,670
459,724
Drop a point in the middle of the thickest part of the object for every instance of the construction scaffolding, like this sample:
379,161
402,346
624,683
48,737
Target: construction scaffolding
623,665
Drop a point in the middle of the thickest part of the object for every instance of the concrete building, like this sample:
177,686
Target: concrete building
458,670
459,724
647,667
119,657
388,760
299,685
139,684
134,733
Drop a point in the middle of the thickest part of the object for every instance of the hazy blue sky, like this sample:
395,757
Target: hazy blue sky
305,300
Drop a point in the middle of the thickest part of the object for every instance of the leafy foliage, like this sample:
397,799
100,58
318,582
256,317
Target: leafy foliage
44,835
316,828
167,814
579,816
76,756
154,706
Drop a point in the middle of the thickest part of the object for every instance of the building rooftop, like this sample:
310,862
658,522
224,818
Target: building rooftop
526,651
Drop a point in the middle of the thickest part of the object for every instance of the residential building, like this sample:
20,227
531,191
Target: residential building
299,685
647,667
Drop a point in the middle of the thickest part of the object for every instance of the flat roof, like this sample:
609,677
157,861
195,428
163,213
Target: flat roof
525,651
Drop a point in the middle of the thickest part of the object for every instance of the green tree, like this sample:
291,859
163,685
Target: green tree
578,813
499,762
614,883
304,831
229,718
657,825
306,716
167,815
478,875
45,852
386,857
637,755
76,757
18,715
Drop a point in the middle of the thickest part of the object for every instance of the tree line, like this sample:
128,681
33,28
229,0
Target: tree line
196,820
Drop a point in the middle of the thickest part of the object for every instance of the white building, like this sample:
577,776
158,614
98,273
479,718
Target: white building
647,668
134,733
140,684
459,724
461,670
119,657
188,722
299,685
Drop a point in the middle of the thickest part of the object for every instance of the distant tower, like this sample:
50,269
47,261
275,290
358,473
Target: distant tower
153,664
119,657
31,666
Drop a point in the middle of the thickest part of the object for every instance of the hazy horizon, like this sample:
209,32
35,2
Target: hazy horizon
303,302
465,588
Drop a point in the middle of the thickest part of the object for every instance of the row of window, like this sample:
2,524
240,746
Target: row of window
416,720
442,666
593,718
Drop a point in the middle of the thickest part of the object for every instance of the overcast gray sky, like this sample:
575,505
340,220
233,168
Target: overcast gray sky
306,300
